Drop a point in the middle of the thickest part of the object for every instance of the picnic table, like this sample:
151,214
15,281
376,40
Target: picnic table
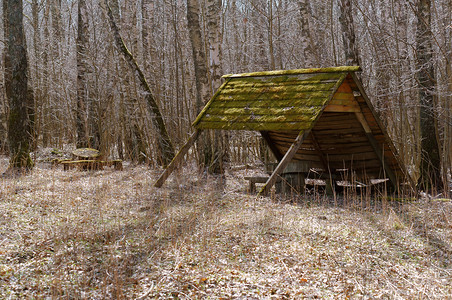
90,159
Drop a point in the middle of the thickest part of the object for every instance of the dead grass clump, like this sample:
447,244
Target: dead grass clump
107,234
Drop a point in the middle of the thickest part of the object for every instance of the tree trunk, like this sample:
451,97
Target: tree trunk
207,149
220,140
16,82
348,34
82,95
36,74
165,147
309,57
430,173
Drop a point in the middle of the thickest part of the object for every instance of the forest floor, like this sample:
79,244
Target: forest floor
112,235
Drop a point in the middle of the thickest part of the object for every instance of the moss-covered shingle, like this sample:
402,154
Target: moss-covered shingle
275,100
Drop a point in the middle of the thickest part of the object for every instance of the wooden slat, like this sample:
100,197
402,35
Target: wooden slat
306,119
337,126
341,108
252,126
339,96
328,117
289,90
280,73
265,95
240,84
355,164
284,77
342,131
281,103
351,101
335,137
275,111
346,149
352,156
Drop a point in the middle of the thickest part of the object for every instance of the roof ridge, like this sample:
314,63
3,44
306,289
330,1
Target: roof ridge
341,69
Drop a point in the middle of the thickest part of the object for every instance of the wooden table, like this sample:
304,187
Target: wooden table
90,159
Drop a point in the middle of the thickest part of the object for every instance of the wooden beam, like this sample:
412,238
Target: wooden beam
271,145
285,161
177,159
341,108
376,147
357,87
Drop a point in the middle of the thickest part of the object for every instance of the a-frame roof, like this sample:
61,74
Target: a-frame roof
327,103
274,100
320,116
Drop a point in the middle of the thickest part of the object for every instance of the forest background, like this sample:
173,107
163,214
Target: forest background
86,94
112,234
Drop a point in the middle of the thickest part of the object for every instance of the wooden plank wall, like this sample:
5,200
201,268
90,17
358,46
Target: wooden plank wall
377,130
339,138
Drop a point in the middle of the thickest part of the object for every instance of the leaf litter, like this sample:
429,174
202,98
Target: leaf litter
111,234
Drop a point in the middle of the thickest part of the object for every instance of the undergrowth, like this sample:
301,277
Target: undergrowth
112,235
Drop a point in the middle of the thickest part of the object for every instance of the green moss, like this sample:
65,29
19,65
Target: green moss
294,98
286,79
283,103
291,110
306,118
297,71
274,97
284,89
279,126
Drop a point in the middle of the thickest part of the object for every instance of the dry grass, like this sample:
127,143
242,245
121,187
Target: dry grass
108,234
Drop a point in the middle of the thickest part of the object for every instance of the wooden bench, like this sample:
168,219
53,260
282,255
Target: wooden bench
91,164
256,179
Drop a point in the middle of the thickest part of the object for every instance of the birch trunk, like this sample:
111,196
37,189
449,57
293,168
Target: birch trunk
208,149
220,140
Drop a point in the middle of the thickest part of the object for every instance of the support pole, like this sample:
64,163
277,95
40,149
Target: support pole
285,161
373,142
177,159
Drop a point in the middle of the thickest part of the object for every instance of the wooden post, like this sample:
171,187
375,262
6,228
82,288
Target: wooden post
177,159
285,161
373,142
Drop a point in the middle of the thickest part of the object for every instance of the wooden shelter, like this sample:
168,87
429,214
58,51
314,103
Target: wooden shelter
321,117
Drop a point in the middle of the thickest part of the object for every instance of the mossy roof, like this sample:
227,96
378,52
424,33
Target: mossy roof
274,100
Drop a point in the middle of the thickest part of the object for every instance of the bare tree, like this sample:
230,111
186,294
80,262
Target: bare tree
307,42
430,173
82,94
165,147
207,146
348,33
16,82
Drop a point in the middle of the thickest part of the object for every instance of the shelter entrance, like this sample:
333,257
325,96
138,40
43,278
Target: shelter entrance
319,117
